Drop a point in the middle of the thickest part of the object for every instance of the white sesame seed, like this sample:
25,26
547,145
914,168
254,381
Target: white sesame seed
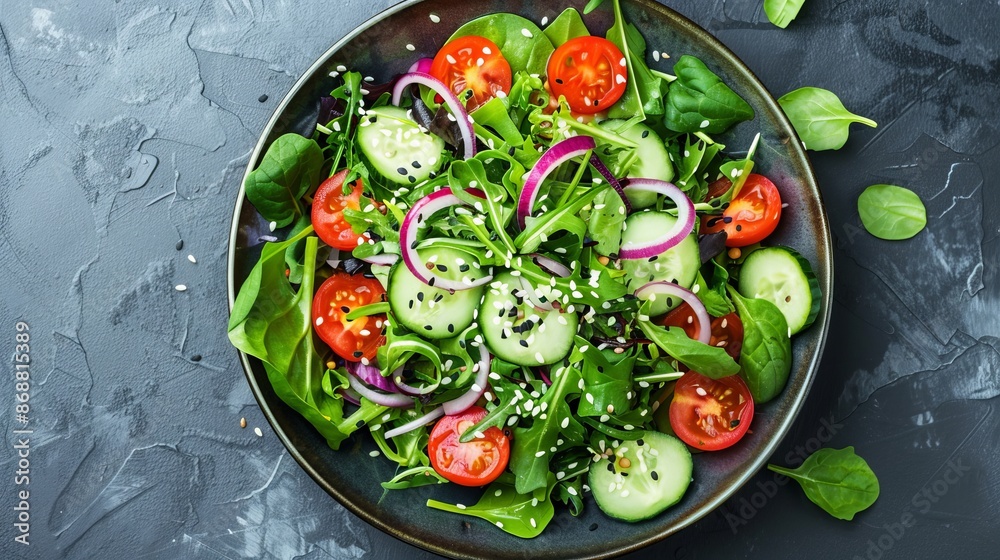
271,226
192,259
435,18
656,56
704,123
258,432
540,453
571,490
526,33
410,47
460,506
341,68
450,59
374,453
622,62
180,287
319,321
532,520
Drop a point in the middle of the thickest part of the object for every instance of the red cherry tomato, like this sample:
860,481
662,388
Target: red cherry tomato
473,63
336,297
710,414
475,463
751,216
727,331
590,72
328,208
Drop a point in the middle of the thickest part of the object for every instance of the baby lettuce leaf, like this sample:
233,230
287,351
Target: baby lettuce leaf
698,101
569,25
272,321
766,358
836,480
891,212
819,117
523,515
532,448
291,166
782,12
710,361
522,43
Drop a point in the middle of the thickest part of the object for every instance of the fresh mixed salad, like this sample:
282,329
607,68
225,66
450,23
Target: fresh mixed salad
527,264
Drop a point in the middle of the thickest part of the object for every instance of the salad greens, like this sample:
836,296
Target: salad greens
447,246
820,118
836,480
891,212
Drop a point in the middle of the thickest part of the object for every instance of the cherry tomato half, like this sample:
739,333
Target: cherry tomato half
475,463
727,331
751,216
590,72
328,208
472,63
336,297
710,414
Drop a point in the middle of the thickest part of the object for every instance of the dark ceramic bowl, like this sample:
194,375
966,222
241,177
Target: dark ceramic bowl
377,48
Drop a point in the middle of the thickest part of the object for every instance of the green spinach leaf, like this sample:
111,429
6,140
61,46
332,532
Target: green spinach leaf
782,12
522,514
607,385
569,25
820,118
522,43
836,480
291,166
642,92
766,358
710,361
273,322
698,101
891,212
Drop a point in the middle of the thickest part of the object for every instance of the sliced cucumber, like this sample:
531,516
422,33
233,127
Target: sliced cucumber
652,161
642,478
679,264
397,147
432,312
783,277
518,332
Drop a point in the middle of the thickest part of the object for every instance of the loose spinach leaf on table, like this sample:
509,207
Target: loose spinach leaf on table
569,25
710,361
291,166
272,321
782,12
820,118
891,212
766,358
698,101
836,480
522,43
522,514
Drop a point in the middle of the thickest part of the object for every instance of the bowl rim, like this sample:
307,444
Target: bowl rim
823,320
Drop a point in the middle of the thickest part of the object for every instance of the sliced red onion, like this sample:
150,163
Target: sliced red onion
558,154
351,396
392,400
416,423
682,228
611,179
384,259
422,65
545,378
420,212
670,289
551,266
457,109
371,376
397,378
461,404
532,296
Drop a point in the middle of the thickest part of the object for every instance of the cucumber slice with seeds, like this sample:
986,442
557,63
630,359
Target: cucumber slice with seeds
679,264
396,146
432,312
785,278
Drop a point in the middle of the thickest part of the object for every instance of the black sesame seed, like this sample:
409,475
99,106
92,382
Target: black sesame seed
415,243
196,358
600,369
360,423
262,98
654,475
415,164
451,328
428,328
611,467
401,170
670,302
461,344
503,334
412,179
739,227
411,304
645,133
439,297
345,309
180,244
734,423
712,221
593,527
431,282
624,474
559,81
727,219
653,258
420,296
595,102
358,353
523,343
373,120
442,268
463,268
639,442
511,151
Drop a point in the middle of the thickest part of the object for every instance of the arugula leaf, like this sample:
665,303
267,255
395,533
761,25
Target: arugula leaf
891,212
499,414
522,43
273,322
819,118
643,90
605,223
532,449
782,12
766,358
413,478
472,174
557,219
289,169
369,218
698,101
836,480
568,25
710,361
523,515
607,385
737,171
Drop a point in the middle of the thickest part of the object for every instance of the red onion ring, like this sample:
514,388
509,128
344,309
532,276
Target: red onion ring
682,228
416,423
611,179
397,378
451,100
557,154
422,65
415,217
370,375
392,400
462,403
384,259
551,266
351,396
673,290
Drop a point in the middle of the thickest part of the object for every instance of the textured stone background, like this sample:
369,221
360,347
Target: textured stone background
125,127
